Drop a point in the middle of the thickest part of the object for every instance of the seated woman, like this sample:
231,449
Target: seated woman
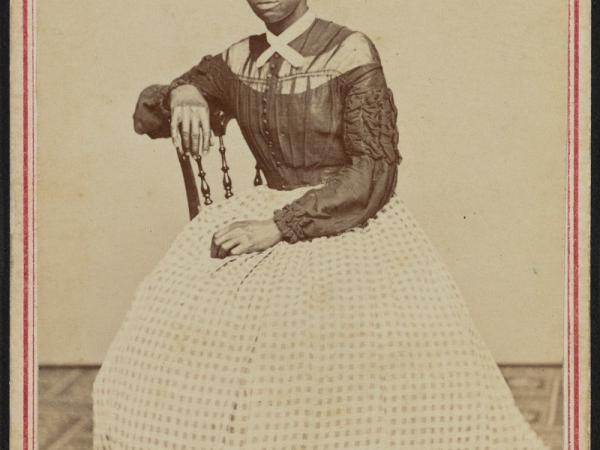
312,313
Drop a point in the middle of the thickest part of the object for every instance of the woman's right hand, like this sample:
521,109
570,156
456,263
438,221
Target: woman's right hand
190,120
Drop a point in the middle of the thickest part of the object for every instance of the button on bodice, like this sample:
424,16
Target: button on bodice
267,107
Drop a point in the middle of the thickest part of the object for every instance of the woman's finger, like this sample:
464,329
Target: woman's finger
215,245
175,135
185,129
221,251
205,124
202,138
225,248
241,249
214,249
195,134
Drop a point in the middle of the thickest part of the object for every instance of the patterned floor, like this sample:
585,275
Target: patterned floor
65,407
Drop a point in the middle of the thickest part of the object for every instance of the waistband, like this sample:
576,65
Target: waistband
288,178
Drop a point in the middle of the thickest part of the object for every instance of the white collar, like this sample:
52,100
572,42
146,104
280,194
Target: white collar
279,43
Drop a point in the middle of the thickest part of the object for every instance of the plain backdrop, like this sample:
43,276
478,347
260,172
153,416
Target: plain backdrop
481,88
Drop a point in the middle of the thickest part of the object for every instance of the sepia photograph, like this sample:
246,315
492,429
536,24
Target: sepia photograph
300,224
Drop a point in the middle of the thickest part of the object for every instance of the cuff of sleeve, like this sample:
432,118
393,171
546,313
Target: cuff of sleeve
150,117
165,104
290,220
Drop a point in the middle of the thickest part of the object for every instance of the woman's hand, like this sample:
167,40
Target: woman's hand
245,237
190,120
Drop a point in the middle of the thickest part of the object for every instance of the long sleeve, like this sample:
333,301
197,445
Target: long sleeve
152,112
360,189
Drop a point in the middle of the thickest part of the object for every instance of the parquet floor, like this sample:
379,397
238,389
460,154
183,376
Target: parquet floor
65,407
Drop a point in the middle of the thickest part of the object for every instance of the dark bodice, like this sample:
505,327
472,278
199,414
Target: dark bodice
331,121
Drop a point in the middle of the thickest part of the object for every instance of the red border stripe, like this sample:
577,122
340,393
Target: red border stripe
576,367
25,227
33,231
568,236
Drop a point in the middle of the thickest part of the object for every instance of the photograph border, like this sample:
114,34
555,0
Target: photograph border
23,225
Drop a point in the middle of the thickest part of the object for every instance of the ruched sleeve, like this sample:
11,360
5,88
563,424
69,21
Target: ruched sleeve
359,190
152,111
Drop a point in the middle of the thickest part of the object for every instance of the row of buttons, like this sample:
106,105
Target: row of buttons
273,67
265,111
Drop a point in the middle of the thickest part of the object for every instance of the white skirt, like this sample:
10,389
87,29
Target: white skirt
360,341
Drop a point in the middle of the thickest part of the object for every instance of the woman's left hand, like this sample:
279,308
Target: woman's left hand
245,237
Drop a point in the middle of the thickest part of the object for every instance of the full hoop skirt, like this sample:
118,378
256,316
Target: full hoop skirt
360,341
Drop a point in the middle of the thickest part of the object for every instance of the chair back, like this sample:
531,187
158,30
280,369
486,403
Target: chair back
218,122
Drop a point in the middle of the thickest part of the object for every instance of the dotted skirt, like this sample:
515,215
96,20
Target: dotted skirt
360,341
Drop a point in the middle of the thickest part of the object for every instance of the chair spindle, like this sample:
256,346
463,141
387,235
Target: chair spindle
204,187
227,184
257,178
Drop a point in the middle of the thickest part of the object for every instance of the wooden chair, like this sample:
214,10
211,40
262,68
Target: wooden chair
218,122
